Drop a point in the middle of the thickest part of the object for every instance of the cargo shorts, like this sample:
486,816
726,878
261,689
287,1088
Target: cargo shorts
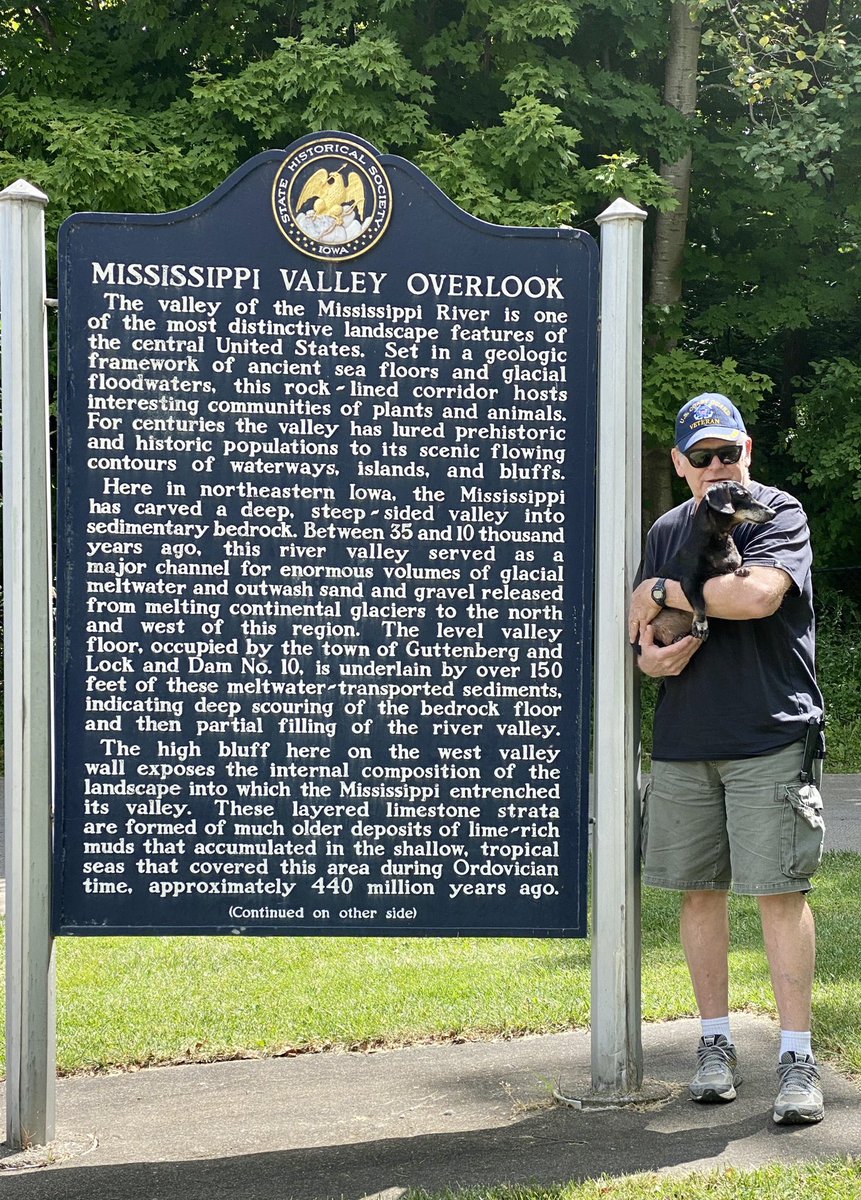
748,824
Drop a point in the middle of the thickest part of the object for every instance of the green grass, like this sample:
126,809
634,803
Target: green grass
167,999
818,1181
124,1001
838,666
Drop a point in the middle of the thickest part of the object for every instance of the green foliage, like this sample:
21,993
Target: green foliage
795,81
838,645
509,168
535,19
150,103
628,176
510,173
367,87
637,107
89,156
825,445
670,379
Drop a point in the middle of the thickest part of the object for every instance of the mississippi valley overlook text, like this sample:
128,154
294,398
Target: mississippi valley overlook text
321,619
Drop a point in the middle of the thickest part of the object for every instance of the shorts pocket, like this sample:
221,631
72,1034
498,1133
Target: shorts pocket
802,829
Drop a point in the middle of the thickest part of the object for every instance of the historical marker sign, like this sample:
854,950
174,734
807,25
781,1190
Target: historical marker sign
327,454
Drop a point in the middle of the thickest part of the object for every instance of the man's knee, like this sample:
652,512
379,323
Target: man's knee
705,900
786,910
705,914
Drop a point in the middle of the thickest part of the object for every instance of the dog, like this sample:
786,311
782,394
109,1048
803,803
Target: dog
708,551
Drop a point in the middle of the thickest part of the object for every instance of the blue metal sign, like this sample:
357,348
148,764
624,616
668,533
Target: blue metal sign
327,459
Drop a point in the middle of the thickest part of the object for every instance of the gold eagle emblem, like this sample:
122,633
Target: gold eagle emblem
332,200
333,197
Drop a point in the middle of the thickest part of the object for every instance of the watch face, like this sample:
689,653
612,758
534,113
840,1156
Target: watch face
659,593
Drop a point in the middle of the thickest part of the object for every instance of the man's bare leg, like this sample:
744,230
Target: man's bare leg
790,942
704,930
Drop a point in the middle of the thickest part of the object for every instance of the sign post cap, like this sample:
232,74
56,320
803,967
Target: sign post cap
22,190
621,210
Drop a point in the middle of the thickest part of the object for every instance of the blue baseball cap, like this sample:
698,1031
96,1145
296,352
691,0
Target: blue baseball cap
710,415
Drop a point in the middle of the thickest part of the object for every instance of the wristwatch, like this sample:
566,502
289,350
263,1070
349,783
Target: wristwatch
659,592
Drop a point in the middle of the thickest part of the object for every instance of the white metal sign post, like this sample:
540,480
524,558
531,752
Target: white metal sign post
30,1019
617,1052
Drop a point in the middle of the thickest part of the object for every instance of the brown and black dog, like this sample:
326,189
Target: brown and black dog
708,551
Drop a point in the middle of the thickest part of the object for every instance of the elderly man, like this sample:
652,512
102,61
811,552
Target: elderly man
726,806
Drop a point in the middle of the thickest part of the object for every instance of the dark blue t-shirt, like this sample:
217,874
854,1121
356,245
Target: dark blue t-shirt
752,687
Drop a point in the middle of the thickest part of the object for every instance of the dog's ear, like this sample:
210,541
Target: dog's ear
719,498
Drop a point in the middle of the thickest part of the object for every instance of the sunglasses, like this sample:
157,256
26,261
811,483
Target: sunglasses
702,458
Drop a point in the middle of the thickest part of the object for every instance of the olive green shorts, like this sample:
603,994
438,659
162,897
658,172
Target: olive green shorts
745,823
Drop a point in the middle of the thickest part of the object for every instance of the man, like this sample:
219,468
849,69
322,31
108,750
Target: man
726,806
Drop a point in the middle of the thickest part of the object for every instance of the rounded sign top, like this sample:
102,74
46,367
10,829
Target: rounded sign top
331,198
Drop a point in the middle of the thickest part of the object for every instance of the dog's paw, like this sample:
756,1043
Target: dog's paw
700,629
742,572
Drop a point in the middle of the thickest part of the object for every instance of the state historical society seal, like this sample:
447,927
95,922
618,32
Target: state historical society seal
332,199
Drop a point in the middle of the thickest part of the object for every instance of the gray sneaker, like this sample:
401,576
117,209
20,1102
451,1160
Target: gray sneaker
799,1097
717,1076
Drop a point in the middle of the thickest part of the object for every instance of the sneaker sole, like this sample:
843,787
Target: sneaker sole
794,1116
710,1096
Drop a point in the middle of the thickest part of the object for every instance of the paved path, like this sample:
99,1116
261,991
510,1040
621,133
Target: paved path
358,1126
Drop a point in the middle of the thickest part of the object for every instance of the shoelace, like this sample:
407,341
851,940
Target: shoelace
712,1057
798,1076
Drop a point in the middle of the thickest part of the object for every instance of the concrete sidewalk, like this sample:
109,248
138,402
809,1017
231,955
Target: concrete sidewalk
367,1125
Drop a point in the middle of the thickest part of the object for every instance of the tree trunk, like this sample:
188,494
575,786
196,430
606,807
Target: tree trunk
815,15
670,230
665,283
658,494
680,92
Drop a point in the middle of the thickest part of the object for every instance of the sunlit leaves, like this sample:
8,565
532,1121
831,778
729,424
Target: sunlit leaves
793,79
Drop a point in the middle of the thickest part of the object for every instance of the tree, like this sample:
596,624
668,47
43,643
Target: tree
680,93
149,103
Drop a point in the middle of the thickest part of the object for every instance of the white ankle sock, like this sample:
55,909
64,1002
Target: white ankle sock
713,1026
792,1039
